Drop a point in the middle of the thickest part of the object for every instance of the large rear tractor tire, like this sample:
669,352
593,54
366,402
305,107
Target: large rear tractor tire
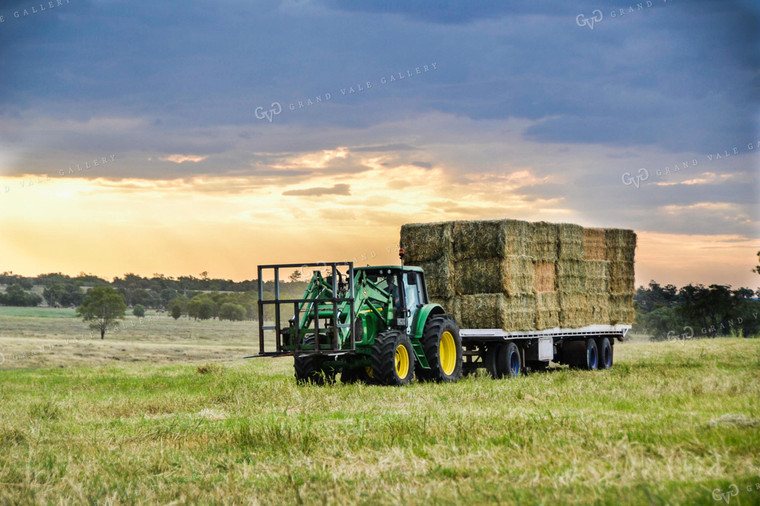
392,359
443,350
308,367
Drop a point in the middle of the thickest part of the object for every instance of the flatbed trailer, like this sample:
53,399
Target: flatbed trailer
537,348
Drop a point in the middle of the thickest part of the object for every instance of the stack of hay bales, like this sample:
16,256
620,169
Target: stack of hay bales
621,245
517,275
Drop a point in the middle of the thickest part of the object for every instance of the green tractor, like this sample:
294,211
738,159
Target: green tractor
372,324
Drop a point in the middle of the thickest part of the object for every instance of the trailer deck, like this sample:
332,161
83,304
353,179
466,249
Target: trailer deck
480,335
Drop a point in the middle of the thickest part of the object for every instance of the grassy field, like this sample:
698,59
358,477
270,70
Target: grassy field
168,412
40,312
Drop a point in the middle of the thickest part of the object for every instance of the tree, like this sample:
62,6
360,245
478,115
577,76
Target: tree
656,296
201,307
662,323
231,311
712,308
177,306
139,311
102,306
166,296
16,296
72,296
53,293
296,276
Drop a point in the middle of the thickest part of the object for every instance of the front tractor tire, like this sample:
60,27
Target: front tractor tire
443,350
308,367
392,359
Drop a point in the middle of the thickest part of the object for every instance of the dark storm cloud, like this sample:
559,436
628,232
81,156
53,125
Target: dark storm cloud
148,80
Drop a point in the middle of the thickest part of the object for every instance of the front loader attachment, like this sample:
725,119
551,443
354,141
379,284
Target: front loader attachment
324,319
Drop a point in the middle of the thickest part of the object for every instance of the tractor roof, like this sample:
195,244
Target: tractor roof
403,268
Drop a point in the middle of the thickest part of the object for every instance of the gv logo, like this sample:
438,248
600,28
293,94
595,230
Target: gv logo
641,175
596,17
718,494
688,334
276,109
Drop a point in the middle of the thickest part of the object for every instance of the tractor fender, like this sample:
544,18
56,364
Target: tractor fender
423,314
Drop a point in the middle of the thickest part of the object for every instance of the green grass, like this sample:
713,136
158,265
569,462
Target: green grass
37,312
670,423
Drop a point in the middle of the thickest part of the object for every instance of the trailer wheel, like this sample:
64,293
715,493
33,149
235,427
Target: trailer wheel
605,353
490,360
443,350
592,355
392,359
509,361
308,367
581,354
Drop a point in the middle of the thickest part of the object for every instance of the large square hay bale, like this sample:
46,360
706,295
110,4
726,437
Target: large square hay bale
622,279
496,311
512,275
423,242
438,277
448,305
543,241
571,276
575,310
544,274
547,310
621,309
520,312
600,308
621,244
597,276
594,244
490,239
569,242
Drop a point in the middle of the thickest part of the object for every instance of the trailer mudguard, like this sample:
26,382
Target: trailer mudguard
421,318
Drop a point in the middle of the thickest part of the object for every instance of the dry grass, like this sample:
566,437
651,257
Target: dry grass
668,424
32,342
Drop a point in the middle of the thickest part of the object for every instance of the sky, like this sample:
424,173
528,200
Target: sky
180,137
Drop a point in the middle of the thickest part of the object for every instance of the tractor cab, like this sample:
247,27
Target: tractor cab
407,287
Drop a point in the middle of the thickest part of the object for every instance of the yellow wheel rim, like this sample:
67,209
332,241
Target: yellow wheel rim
402,361
447,353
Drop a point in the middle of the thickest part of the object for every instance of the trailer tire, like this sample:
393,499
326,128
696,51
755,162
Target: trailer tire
592,355
392,359
308,367
605,353
509,361
443,350
581,354
490,360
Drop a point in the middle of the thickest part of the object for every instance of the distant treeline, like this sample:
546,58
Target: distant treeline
154,292
692,311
